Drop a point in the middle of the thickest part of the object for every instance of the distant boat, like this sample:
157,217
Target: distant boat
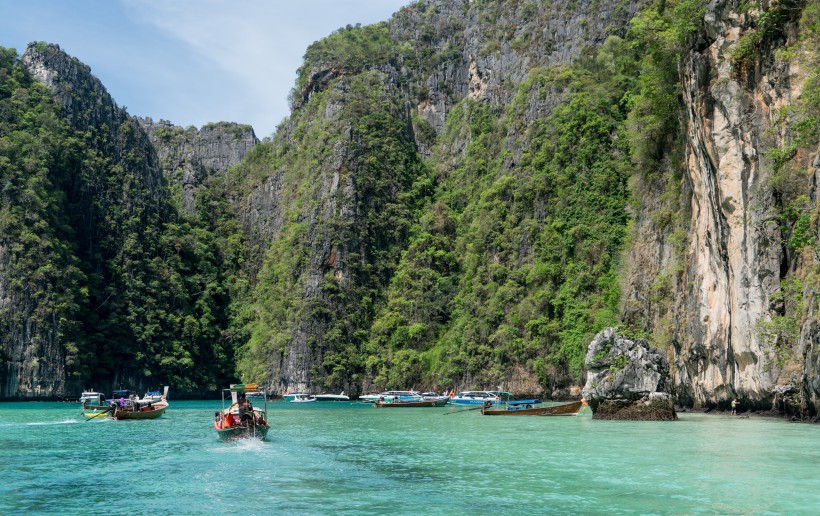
303,398
255,395
152,396
91,396
146,408
435,396
407,404
292,395
391,396
477,398
565,409
94,404
240,419
331,397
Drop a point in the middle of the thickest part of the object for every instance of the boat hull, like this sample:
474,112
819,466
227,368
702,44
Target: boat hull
155,412
243,432
100,414
565,409
408,404
473,402
331,397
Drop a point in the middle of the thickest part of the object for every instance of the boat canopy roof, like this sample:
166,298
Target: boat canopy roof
243,387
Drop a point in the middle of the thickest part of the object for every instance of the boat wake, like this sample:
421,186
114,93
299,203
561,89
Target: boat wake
249,445
41,423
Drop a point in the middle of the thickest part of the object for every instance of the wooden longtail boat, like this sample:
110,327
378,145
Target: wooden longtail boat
145,408
152,410
241,420
565,409
406,404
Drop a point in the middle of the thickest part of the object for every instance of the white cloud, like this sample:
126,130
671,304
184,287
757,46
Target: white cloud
253,47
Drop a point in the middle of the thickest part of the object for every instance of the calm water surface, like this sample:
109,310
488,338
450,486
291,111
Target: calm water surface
325,458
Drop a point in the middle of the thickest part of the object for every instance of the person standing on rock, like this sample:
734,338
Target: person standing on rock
734,407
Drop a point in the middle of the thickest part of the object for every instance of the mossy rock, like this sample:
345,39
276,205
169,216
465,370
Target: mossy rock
642,410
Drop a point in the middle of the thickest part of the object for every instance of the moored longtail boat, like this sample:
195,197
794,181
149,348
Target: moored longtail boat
240,419
564,409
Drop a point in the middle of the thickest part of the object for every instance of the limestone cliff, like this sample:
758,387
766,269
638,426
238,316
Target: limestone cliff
726,282
188,155
458,198
42,314
448,52
91,254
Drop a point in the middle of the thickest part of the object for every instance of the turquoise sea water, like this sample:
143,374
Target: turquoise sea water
356,459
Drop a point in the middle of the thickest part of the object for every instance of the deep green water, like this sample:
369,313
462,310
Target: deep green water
355,459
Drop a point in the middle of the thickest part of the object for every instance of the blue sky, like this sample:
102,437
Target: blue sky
190,61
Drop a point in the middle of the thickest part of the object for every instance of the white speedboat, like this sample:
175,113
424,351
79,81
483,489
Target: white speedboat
476,398
290,396
332,397
87,396
302,398
152,396
434,396
391,396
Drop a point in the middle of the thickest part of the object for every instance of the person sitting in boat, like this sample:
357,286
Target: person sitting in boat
245,409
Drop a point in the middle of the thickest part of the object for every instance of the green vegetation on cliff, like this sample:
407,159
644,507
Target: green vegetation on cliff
504,260
336,257
101,274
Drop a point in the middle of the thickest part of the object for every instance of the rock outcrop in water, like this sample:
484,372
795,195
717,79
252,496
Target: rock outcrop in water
627,379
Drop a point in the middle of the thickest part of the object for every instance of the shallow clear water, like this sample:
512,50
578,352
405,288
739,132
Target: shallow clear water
333,458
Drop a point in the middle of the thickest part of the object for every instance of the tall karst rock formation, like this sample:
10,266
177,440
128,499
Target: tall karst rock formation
743,321
711,269
86,214
368,105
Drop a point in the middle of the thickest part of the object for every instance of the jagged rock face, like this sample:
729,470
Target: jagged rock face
189,156
88,106
323,195
33,358
620,368
723,281
536,35
112,203
82,96
35,354
734,256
